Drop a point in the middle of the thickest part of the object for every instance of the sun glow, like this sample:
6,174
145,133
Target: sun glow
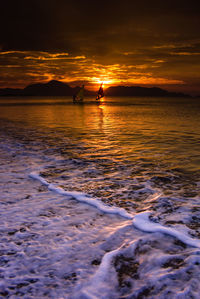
97,81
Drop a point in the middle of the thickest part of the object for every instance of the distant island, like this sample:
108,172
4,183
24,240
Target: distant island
57,88
142,92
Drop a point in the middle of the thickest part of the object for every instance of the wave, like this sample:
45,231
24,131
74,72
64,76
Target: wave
140,221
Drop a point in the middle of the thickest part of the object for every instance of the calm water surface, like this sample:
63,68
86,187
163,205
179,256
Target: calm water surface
157,129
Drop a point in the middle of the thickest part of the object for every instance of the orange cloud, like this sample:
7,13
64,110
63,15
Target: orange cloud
33,66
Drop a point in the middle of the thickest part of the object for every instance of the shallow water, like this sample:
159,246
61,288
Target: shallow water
132,155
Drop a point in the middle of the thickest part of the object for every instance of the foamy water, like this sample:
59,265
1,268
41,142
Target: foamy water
100,201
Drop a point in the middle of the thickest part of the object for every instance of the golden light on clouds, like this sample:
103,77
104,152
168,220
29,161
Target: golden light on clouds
40,66
135,44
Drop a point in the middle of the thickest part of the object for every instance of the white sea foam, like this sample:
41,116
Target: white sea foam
82,197
102,284
156,273
45,235
36,176
45,238
142,222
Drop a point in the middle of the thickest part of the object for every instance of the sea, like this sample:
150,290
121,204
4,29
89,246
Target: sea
100,200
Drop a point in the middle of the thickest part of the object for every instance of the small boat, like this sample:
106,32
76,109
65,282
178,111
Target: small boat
78,98
100,93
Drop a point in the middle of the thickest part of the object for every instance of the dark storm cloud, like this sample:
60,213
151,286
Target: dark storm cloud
94,26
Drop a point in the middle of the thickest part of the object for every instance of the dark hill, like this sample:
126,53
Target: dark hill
10,92
57,88
141,92
52,88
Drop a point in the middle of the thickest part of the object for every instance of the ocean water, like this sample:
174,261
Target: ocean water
100,200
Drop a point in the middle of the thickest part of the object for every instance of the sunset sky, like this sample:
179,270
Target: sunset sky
145,43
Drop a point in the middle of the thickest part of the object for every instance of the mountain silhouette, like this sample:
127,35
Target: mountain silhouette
141,91
52,88
57,88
